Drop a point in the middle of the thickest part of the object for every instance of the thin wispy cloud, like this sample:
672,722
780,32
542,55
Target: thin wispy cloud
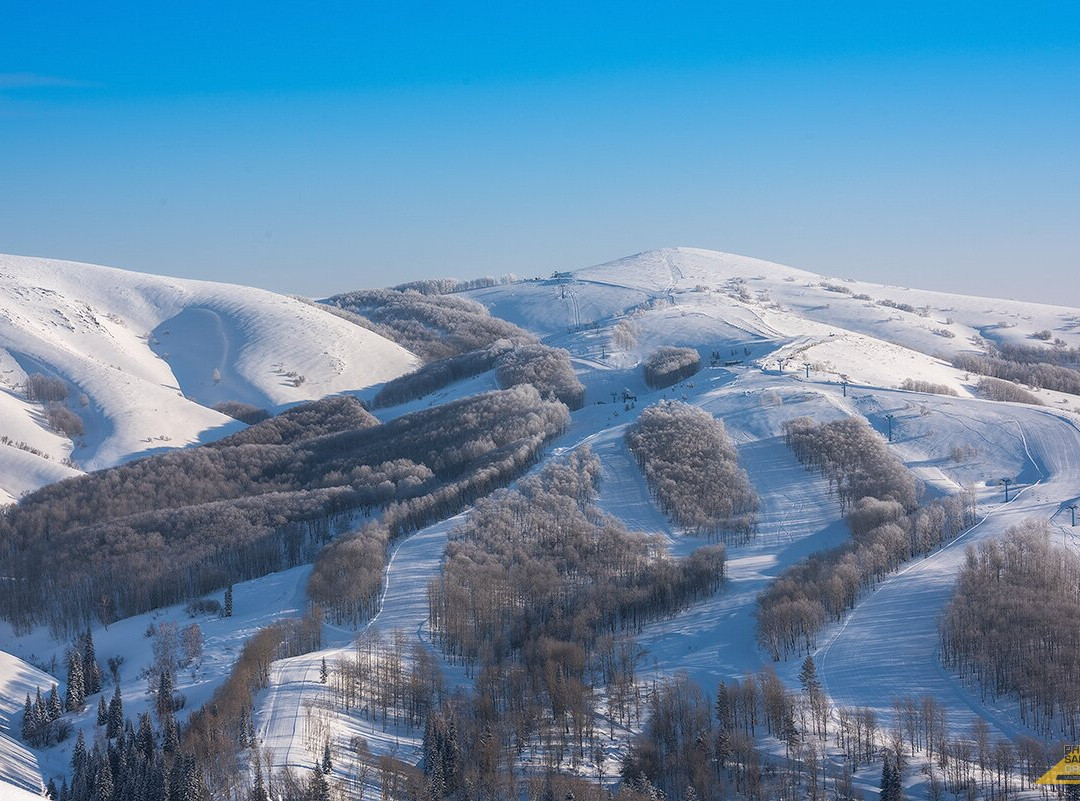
34,80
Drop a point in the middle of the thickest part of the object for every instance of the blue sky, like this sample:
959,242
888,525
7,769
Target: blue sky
362,143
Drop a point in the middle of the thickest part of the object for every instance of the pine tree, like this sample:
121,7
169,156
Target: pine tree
102,711
897,788
191,781
53,704
103,780
318,786
80,770
164,695
327,764
886,778
27,719
170,736
75,692
157,781
144,740
891,779
723,706
323,673
116,715
808,677
228,601
258,791
91,669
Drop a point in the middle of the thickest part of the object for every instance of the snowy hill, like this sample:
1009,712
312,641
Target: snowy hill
868,333
143,358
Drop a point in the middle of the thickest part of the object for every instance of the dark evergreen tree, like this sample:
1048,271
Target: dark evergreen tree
157,782
27,719
103,778
323,672
76,694
170,735
808,677
228,602
327,764
318,786
164,695
115,716
102,712
891,786
190,781
258,790
53,704
144,740
91,668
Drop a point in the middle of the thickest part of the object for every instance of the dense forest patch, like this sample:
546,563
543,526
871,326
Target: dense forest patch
1011,626
692,469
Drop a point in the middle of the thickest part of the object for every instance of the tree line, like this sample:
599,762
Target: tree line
447,286
540,562
1026,365
998,389
547,369
693,471
440,373
431,326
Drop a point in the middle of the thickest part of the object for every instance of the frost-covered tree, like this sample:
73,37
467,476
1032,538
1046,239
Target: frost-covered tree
668,365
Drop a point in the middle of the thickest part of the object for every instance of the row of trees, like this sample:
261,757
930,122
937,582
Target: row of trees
220,731
483,443
1010,626
666,366
917,385
447,286
523,362
692,469
244,412
998,389
431,326
539,597
435,375
43,388
878,497
1017,364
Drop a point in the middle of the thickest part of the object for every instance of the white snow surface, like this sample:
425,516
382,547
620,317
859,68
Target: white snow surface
747,311
145,356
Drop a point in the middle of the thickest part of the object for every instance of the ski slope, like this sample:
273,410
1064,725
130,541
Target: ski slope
144,357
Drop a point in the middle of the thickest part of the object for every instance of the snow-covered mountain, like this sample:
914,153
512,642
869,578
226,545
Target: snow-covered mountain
777,343
144,357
